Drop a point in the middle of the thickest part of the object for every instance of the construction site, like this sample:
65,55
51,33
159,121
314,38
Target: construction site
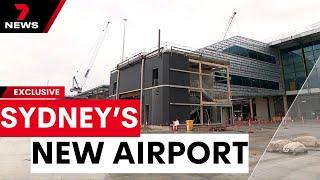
237,80
236,85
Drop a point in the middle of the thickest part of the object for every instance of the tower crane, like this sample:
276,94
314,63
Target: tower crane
229,25
76,86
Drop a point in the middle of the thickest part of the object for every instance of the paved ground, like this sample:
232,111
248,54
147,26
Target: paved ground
15,164
287,166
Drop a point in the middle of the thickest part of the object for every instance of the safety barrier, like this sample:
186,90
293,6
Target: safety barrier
198,128
249,124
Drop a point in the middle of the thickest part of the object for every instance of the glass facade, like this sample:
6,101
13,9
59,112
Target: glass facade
248,53
248,82
297,64
251,82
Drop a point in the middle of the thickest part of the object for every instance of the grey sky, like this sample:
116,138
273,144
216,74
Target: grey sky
33,59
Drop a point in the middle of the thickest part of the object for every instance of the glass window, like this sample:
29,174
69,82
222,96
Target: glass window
308,48
289,69
251,82
114,88
299,67
316,46
314,79
254,82
297,51
155,78
246,81
290,76
290,84
310,66
236,80
301,74
237,50
286,60
316,54
293,67
309,56
300,81
253,55
296,58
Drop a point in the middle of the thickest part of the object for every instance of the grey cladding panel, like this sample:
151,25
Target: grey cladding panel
113,79
149,65
178,61
130,78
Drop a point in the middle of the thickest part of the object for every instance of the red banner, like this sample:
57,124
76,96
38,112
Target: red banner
32,92
58,118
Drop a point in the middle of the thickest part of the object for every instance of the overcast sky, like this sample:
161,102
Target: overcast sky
35,59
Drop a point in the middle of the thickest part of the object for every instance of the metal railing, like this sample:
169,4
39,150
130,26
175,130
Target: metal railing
294,32
172,47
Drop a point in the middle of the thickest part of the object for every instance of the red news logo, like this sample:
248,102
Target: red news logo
28,16
21,23
24,8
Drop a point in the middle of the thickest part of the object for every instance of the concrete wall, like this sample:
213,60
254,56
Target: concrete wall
261,108
271,107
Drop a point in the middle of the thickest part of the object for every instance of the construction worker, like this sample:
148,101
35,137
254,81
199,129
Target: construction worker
175,124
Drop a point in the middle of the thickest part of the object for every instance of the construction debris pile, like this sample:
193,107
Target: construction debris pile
300,144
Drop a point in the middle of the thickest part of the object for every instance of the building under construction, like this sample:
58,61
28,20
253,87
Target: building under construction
175,83
236,78
256,80
99,92
262,79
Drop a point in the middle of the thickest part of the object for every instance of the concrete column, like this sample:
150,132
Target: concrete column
251,108
228,84
268,106
141,91
271,107
118,83
201,103
261,108
285,104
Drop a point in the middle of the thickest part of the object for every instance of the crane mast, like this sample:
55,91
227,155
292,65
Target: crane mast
76,86
229,25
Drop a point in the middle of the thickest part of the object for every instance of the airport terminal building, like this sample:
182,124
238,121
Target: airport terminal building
264,78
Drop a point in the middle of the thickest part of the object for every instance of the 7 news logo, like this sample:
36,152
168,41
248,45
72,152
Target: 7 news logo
28,16
21,23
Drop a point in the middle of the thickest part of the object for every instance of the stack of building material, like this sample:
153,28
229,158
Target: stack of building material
294,148
308,141
277,146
